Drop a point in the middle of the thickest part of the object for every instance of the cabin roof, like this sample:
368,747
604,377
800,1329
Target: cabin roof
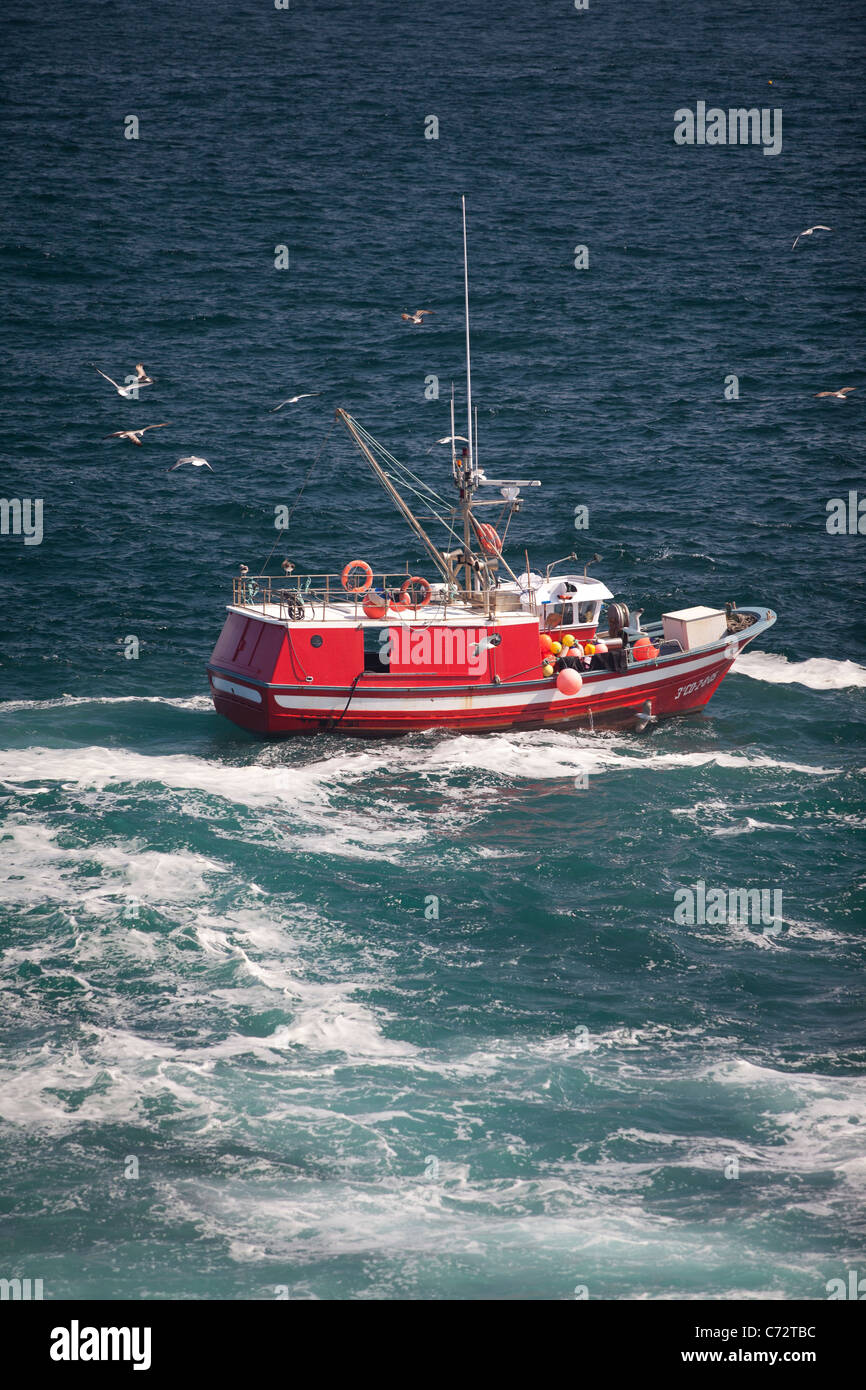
344,615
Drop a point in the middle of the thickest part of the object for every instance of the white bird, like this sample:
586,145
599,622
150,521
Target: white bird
634,629
840,395
190,458
135,435
292,399
819,227
141,379
450,439
417,317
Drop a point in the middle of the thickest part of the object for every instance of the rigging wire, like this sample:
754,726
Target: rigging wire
423,491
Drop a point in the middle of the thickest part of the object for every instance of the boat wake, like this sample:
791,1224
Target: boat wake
818,673
191,702
540,755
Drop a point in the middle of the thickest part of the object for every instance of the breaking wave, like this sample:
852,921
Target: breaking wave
818,673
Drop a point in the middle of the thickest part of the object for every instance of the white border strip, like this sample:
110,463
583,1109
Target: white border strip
500,698
245,691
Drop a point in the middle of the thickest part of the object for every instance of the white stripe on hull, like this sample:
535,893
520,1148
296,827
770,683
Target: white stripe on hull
498,698
245,691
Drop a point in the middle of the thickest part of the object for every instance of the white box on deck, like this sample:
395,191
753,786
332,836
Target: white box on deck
694,627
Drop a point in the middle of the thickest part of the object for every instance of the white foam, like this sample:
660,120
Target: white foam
545,753
38,869
191,702
818,673
380,831
814,1114
747,826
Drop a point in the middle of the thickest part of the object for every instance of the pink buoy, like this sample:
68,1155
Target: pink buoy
569,682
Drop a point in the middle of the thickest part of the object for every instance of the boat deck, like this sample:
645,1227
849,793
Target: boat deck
275,600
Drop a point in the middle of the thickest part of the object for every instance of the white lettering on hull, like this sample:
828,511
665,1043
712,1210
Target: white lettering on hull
695,685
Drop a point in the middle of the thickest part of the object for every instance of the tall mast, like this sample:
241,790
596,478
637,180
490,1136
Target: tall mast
468,359
453,437
466,475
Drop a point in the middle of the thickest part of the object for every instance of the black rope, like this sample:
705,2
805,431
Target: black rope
334,722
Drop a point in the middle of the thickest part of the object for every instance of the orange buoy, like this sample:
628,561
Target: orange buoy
644,650
374,605
569,682
364,569
589,649
601,647
489,538
545,642
407,595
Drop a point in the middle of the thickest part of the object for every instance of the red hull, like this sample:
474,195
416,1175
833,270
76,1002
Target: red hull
388,706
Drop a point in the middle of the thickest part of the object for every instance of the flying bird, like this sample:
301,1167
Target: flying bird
135,435
418,315
840,395
292,399
190,458
819,227
141,379
450,439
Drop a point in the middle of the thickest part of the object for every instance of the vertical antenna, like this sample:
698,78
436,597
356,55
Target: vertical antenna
476,437
468,364
453,440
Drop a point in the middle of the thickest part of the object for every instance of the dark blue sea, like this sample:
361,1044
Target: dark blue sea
241,1052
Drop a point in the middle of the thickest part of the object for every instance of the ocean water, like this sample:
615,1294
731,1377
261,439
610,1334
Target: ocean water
418,1019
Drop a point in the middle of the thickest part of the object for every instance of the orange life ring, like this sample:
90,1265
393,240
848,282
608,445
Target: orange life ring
365,570
489,538
407,597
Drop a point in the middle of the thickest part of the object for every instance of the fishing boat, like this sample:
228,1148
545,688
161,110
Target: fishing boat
479,645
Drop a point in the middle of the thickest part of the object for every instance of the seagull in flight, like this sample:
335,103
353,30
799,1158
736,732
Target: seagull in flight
190,458
840,395
819,227
141,379
135,435
292,399
450,439
417,317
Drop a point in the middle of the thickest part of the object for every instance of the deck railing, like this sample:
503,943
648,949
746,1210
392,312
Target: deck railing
321,591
